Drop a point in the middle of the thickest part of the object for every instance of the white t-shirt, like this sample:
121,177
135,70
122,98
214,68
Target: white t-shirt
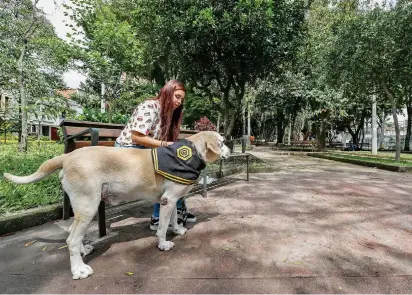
145,119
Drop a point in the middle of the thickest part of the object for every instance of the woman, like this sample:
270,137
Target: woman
156,122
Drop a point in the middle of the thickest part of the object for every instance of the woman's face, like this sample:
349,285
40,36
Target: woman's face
178,97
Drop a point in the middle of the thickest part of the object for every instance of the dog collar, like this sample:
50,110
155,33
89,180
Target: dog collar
179,162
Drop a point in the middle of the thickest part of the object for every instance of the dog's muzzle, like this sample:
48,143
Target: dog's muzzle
225,152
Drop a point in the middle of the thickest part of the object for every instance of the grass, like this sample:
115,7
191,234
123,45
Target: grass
15,197
382,158
380,155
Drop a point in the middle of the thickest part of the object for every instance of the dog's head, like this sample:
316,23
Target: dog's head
210,145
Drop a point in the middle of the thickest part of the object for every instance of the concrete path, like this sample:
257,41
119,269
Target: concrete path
316,226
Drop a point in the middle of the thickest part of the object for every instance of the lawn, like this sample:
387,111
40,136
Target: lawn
15,197
382,157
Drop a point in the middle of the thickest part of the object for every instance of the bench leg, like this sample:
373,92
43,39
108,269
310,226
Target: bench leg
204,183
220,168
102,219
67,212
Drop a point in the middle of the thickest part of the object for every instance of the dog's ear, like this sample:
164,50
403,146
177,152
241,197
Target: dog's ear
211,146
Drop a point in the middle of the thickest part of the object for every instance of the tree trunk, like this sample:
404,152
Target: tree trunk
408,129
244,118
320,136
229,119
397,131
249,130
382,142
280,127
218,122
292,127
226,114
395,120
23,102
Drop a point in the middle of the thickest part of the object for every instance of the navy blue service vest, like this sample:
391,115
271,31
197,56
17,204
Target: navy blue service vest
178,162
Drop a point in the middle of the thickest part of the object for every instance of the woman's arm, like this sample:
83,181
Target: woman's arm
147,141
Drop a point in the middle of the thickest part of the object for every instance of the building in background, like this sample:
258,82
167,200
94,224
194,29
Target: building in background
47,126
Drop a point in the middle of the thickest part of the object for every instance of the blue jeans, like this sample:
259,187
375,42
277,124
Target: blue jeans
156,208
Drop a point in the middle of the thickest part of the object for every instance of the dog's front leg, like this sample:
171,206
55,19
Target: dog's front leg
173,191
166,210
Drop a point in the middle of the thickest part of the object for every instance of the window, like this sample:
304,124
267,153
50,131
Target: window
45,130
5,100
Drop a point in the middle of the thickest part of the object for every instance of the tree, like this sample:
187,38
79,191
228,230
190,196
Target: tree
106,48
32,57
370,53
280,99
218,46
359,50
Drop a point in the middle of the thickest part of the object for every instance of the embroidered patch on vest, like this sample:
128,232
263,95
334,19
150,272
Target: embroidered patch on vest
178,162
184,153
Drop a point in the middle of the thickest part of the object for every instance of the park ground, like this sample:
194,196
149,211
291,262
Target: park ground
312,226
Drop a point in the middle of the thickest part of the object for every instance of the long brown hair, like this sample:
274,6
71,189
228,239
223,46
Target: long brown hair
170,120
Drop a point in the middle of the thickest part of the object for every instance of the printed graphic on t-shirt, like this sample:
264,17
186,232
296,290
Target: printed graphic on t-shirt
145,120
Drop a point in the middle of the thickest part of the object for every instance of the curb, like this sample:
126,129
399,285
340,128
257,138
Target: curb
392,168
36,216
29,218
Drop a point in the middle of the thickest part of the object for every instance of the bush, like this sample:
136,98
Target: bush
204,124
95,115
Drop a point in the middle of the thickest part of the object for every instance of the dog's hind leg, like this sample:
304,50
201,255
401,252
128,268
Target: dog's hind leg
82,219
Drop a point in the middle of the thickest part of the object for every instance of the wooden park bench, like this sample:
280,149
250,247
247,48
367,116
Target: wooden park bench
336,145
303,144
78,134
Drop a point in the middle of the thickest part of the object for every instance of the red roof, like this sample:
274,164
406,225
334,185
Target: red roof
67,93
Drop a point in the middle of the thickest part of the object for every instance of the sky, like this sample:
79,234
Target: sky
54,12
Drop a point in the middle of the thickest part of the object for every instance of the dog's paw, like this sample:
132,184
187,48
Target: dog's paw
166,246
86,249
82,272
180,231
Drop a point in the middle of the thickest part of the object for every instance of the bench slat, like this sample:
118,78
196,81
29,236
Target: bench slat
79,143
114,133
103,133
87,124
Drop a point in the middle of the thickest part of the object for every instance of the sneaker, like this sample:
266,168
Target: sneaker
154,223
186,216
190,217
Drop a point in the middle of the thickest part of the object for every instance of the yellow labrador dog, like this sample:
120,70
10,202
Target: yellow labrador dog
127,174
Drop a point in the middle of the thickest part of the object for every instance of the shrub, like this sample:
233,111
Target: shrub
204,124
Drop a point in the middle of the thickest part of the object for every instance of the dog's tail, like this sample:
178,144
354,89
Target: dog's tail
44,170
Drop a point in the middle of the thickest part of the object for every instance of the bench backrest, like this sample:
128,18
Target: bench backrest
107,134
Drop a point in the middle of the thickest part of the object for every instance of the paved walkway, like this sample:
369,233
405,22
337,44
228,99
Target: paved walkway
315,226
